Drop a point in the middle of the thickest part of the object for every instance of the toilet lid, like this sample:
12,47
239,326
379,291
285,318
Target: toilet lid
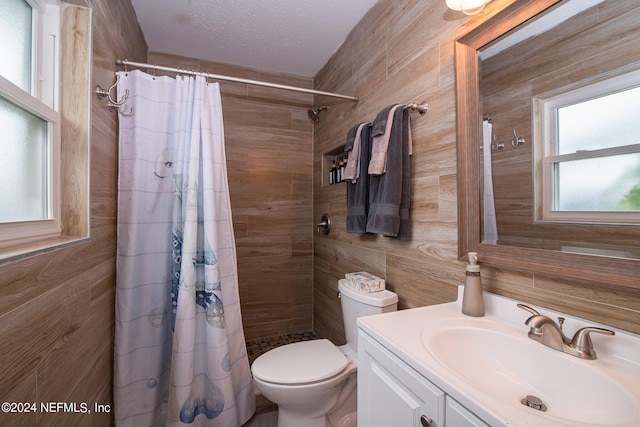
299,363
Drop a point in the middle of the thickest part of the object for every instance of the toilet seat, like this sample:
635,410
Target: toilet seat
300,363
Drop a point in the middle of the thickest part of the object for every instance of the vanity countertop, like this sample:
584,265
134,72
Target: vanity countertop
409,335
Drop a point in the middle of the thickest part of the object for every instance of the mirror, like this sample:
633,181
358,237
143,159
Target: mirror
606,254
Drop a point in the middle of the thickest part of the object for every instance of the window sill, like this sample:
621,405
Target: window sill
14,253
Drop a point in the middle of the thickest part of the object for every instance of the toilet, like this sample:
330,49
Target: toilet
314,382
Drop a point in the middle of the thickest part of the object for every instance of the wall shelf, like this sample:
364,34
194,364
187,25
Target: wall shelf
329,159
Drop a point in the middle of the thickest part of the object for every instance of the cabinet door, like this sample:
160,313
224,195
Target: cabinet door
390,393
459,416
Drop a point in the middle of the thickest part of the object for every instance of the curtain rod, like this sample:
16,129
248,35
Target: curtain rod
125,62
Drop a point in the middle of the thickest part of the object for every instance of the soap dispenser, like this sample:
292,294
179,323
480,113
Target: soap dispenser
472,302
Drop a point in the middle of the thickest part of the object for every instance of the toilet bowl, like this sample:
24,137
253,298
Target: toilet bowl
305,380
314,382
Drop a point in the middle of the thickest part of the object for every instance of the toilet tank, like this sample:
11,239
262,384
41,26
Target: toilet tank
356,304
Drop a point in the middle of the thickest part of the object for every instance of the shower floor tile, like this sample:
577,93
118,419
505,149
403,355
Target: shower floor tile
258,346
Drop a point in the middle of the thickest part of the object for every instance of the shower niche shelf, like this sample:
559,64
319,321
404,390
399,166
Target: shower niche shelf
331,169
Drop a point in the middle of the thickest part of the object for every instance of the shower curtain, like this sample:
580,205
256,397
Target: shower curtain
490,229
180,354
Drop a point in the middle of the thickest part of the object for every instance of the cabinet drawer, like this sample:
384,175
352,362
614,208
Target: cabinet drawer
459,416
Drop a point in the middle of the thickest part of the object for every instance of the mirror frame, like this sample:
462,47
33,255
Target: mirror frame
502,17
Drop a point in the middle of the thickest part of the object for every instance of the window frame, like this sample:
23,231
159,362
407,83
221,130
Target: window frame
545,107
43,103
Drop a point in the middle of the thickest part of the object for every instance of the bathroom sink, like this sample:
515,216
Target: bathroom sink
498,360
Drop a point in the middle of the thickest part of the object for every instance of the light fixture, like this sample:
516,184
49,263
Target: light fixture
468,7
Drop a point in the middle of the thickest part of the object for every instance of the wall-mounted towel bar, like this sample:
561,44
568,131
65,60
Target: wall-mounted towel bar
421,108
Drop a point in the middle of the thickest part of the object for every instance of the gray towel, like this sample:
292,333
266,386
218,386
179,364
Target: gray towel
358,192
380,122
351,135
390,193
380,144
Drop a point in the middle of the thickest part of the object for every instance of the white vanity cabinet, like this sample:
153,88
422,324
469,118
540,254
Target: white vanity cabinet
434,366
391,393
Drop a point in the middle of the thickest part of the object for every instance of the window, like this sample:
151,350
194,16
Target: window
587,151
29,121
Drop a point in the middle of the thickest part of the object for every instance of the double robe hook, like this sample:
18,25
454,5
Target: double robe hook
113,103
515,142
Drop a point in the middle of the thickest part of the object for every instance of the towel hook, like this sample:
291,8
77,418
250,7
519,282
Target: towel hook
516,141
129,114
113,103
498,145
102,93
495,145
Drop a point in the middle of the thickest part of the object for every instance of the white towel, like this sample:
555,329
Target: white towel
378,163
352,171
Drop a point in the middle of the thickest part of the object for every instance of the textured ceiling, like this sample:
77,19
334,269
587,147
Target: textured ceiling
290,36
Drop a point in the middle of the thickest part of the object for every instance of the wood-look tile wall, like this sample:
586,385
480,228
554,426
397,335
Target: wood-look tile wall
402,51
269,158
57,308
